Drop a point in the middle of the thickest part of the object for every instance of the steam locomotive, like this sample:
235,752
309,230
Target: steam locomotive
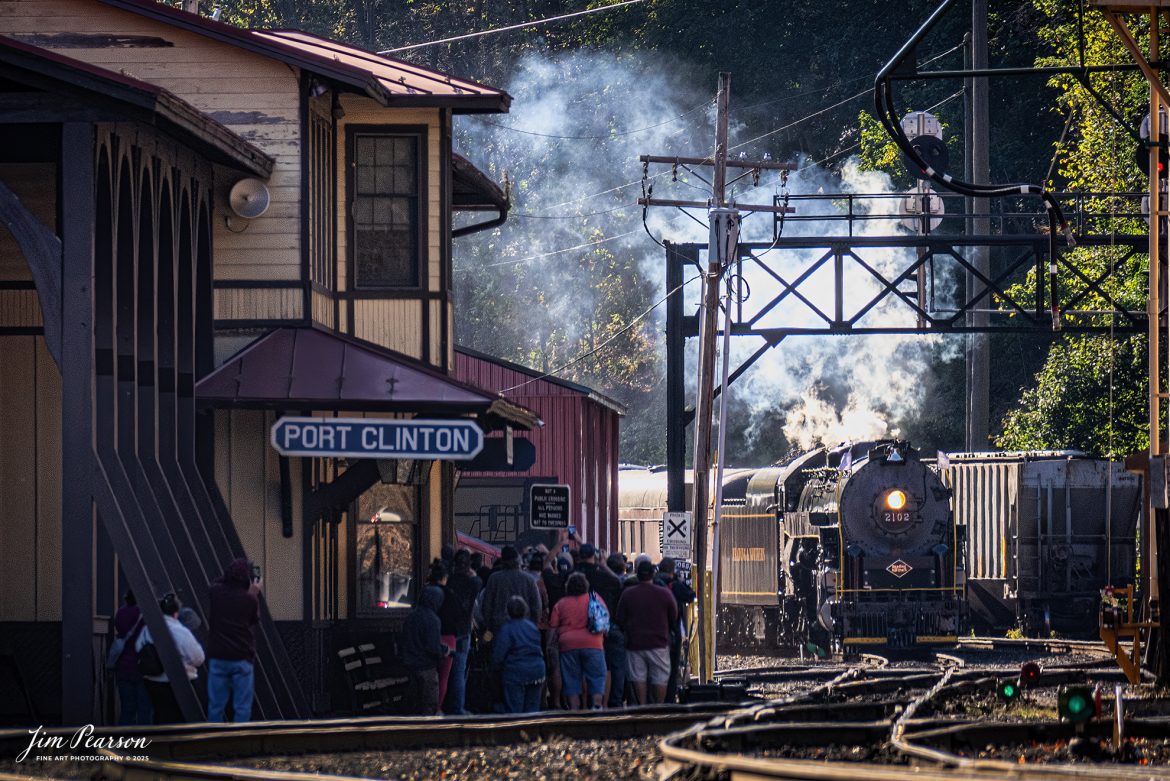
839,549
859,548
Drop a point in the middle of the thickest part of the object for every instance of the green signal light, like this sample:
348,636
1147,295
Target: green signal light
1076,704
1008,690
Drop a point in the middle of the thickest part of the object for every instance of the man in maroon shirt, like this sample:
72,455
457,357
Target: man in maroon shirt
231,642
646,612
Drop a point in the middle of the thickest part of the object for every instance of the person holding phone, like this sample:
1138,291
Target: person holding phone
231,642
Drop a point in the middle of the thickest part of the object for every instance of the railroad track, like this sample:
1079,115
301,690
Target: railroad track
865,702
735,746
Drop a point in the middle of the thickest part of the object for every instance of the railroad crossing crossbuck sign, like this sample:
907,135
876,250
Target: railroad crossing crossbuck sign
676,535
444,440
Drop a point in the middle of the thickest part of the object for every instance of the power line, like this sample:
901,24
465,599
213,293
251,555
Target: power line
608,341
561,251
596,137
531,216
802,119
520,26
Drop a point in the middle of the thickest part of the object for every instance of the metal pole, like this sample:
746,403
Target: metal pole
676,425
703,397
719,467
978,361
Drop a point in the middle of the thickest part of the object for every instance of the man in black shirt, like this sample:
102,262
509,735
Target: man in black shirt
231,642
463,586
683,595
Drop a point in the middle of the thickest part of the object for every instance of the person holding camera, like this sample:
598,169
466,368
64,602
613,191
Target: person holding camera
231,643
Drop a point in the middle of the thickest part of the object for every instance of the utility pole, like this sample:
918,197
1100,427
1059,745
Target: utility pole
978,352
724,224
704,399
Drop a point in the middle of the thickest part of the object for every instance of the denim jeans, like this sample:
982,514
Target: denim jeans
229,680
457,685
522,695
134,700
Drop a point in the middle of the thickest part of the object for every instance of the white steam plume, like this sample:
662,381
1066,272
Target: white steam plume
828,389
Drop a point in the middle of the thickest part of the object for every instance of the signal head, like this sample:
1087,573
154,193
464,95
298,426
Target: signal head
1075,704
1030,674
1008,691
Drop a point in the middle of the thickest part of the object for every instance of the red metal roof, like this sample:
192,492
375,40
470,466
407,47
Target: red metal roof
160,107
391,82
309,368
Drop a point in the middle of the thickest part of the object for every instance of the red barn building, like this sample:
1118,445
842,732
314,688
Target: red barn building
577,446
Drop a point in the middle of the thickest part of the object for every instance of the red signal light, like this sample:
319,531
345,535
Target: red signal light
1030,674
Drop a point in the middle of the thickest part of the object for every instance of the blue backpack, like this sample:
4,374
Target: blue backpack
598,615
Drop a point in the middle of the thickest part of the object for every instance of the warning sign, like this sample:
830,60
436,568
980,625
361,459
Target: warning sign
899,568
549,507
676,535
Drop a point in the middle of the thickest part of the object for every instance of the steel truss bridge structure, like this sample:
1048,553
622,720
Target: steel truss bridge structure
834,275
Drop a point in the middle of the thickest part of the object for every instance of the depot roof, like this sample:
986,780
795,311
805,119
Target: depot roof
308,368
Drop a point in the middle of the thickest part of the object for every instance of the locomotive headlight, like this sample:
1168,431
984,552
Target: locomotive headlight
896,499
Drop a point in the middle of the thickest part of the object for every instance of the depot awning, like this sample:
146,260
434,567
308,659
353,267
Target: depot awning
312,369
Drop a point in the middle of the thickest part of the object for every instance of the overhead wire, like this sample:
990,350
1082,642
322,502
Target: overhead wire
520,26
607,342
598,137
528,258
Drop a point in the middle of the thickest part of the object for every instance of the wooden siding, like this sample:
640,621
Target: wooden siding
247,470
19,309
258,304
323,309
395,323
256,97
30,485
383,324
36,186
578,444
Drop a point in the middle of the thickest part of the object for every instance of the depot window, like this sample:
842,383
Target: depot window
386,209
386,548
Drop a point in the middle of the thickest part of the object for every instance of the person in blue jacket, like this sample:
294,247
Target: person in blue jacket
516,652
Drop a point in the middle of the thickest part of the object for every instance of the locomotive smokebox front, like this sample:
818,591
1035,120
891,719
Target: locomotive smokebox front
895,522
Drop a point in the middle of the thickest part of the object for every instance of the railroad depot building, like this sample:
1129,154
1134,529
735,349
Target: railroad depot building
154,325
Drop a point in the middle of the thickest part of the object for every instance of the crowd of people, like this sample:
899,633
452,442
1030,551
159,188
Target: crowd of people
536,631
531,632
145,695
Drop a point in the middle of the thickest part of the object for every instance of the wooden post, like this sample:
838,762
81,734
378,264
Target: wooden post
77,517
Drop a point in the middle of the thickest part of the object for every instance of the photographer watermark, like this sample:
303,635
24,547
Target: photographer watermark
74,748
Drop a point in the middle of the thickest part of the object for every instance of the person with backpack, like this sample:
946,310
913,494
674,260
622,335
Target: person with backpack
581,654
133,699
608,586
158,685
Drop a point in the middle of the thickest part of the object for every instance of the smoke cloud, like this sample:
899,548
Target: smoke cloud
580,193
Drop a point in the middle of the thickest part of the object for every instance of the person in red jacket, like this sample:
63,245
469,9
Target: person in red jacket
231,641
647,611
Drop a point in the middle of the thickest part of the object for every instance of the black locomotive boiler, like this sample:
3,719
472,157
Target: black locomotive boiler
839,549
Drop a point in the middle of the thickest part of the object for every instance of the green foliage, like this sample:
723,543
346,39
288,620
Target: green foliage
1090,395
1091,392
